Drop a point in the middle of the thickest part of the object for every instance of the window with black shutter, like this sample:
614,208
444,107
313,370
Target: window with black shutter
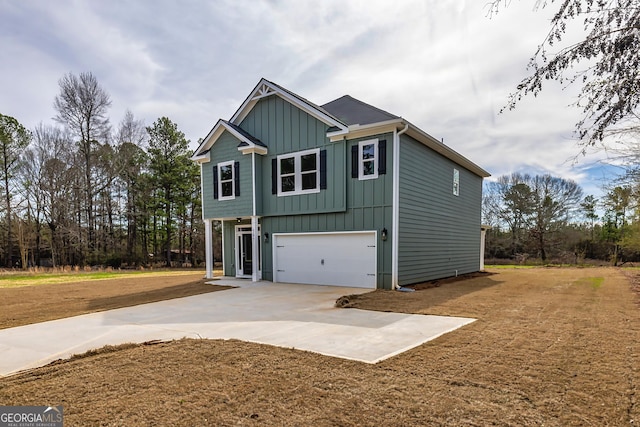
226,180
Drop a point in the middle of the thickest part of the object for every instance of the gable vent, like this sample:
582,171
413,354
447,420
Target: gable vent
263,91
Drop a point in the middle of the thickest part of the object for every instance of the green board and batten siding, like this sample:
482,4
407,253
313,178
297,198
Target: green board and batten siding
347,204
439,231
284,129
226,149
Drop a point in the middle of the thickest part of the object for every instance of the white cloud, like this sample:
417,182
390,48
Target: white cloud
445,66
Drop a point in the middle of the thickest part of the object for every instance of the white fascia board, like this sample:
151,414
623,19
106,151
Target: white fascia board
437,146
253,149
248,103
203,158
213,136
337,135
255,96
358,131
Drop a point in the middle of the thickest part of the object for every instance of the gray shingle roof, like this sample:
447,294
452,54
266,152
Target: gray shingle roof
245,134
305,100
353,111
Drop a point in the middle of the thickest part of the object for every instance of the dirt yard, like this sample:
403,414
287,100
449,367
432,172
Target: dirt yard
32,304
553,347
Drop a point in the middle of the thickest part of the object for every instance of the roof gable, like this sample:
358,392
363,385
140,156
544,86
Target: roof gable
248,143
346,117
266,88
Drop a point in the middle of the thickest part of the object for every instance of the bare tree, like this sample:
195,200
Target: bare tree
82,106
511,204
540,205
605,62
51,169
554,200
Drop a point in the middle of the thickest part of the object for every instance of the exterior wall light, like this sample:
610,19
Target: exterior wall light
266,237
383,234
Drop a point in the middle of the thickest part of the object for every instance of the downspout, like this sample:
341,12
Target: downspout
396,206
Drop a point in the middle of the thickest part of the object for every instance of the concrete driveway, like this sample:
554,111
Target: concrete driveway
285,315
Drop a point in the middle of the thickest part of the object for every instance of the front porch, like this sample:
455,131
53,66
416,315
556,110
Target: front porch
241,247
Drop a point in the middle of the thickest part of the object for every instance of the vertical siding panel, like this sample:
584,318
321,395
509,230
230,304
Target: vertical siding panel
272,120
346,204
295,131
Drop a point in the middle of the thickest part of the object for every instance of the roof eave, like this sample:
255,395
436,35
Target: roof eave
357,130
202,158
437,146
248,149
215,133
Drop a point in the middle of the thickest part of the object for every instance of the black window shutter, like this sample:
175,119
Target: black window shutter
323,169
236,176
215,182
382,157
354,161
274,176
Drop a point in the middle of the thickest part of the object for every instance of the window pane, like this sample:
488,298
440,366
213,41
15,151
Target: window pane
287,165
227,189
226,173
309,181
308,162
288,183
368,151
367,168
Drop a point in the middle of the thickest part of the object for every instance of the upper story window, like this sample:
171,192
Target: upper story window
226,180
299,173
368,159
456,182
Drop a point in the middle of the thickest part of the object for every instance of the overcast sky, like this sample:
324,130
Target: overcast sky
444,65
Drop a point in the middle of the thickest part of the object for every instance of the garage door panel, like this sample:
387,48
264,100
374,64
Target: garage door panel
343,259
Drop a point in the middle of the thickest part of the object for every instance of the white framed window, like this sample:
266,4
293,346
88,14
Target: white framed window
368,158
456,182
226,181
299,173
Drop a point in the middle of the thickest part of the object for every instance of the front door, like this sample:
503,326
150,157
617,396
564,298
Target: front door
244,252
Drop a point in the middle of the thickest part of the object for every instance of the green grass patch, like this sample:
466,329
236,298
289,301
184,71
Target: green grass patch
594,282
16,280
511,266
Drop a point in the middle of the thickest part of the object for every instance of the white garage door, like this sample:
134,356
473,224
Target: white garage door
341,259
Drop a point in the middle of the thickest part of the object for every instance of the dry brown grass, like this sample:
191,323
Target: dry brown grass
553,347
77,295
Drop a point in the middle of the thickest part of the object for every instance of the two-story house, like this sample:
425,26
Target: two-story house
339,194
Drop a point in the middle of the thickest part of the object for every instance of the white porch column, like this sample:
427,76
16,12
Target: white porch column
208,248
255,247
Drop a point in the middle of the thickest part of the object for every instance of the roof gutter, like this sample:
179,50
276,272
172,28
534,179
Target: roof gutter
396,206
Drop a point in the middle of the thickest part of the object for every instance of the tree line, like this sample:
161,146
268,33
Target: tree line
81,192
547,219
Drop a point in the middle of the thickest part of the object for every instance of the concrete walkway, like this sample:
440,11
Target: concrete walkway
285,315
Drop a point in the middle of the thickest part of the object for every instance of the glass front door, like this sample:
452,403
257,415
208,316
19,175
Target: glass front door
244,252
